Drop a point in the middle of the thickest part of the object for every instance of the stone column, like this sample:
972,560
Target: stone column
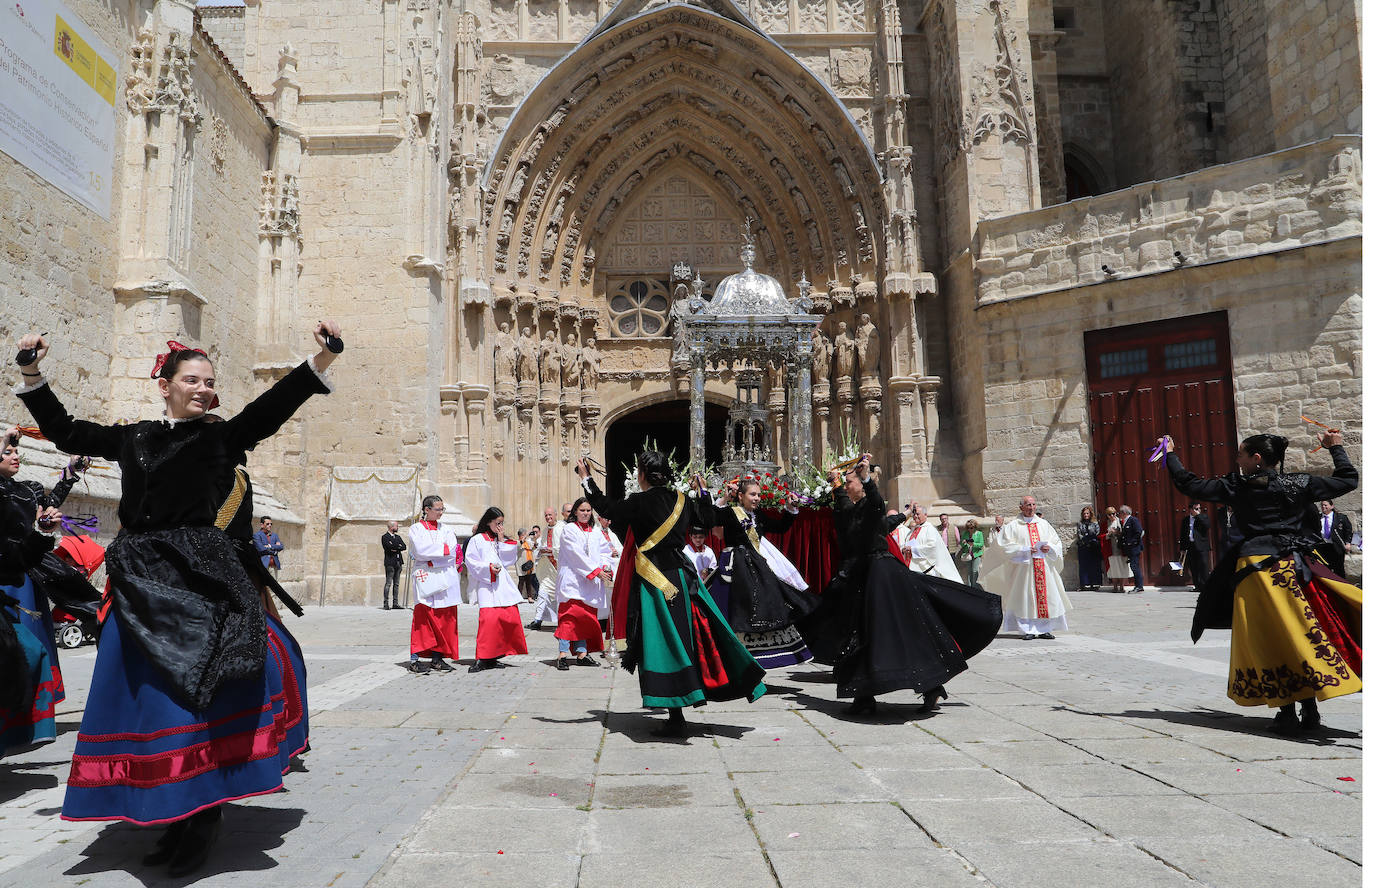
801,389
930,395
451,409
474,399
697,415
903,389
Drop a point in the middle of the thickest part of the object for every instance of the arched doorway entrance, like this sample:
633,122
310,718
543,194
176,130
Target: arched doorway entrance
666,423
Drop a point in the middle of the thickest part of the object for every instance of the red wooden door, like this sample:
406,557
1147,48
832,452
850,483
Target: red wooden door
1146,380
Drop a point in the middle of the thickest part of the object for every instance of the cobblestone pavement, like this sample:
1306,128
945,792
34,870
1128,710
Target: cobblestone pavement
1109,756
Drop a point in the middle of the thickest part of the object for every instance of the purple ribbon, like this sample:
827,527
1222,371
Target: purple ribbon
81,525
1158,453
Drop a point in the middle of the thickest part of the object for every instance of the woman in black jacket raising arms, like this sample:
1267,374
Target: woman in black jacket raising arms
1295,624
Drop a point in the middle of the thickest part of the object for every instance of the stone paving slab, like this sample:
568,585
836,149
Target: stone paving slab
1108,757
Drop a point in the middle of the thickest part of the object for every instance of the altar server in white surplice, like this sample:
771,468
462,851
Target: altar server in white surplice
1022,564
929,553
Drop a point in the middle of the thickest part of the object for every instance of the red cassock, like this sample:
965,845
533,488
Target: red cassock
577,622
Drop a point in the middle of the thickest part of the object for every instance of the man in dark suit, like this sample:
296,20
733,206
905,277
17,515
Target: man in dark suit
1132,540
1336,531
1195,542
392,561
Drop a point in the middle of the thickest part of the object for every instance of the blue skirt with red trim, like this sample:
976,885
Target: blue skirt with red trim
35,723
143,757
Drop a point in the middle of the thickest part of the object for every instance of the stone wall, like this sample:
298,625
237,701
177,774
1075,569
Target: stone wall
225,24
1273,240
1304,195
1294,323
1314,69
1166,83
1245,70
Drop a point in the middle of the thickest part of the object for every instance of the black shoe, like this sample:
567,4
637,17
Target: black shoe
441,666
1311,720
166,846
418,668
1285,721
1027,637
536,625
930,700
585,660
863,706
675,726
561,664
1049,635
194,848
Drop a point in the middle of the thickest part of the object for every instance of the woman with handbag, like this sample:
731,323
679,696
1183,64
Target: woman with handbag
971,550
437,558
1089,549
528,584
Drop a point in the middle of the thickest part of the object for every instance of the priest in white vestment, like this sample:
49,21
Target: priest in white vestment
1022,564
929,553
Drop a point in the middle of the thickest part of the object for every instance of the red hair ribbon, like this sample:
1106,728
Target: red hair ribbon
31,432
173,347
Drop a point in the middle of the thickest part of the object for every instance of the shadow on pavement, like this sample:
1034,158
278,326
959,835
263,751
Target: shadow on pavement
889,713
15,781
639,726
1232,722
246,837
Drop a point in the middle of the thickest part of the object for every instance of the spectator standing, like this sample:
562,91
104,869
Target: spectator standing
268,544
971,550
1195,542
393,544
1089,549
1337,533
1118,567
529,550
1132,541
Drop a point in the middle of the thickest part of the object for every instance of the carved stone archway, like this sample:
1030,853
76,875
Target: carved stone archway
680,83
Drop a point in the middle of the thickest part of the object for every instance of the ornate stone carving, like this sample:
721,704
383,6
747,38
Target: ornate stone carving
140,85
526,368
279,212
869,349
1000,102
854,72
550,365
821,353
175,91
504,364
845,354
852,15
571,357
218,143
590,359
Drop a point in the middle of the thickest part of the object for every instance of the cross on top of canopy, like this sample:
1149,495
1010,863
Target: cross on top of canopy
682,87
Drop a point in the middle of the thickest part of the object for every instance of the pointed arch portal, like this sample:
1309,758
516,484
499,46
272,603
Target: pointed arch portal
680,88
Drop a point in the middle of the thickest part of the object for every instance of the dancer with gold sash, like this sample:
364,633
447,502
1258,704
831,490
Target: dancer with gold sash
673,634
1295,624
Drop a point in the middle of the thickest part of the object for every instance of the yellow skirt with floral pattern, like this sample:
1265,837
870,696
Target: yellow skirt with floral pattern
1292,640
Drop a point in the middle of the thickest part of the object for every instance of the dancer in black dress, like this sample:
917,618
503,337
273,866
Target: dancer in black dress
765,593
891,628
197,695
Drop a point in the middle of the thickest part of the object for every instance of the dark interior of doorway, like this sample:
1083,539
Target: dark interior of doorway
665,423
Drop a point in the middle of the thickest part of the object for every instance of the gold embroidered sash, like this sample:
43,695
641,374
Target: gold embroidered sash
644,567
749,529
231,505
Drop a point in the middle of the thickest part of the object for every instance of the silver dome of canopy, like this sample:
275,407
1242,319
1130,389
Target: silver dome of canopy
748,293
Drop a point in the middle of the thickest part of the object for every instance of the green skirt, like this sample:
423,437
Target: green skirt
688,653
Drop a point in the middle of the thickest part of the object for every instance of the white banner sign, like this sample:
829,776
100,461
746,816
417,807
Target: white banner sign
374,493
57,99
